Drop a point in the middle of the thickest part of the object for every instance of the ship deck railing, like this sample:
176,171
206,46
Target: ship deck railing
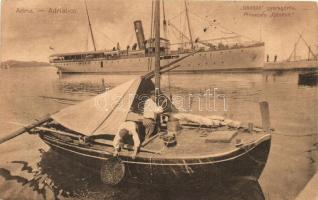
172,53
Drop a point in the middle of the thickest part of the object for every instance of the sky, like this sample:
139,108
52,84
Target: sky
30,28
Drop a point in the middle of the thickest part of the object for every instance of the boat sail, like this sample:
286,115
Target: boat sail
108,110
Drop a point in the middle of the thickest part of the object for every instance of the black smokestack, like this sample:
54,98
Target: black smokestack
139,34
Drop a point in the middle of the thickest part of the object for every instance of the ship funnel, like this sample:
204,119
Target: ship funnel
139,34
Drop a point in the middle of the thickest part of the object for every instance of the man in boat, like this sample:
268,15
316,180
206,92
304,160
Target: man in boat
151,111
125,130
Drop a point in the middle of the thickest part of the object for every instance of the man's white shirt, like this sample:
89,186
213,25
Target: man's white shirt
151,109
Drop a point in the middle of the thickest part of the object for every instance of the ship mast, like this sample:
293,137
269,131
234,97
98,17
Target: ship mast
157,46
188,22
90,26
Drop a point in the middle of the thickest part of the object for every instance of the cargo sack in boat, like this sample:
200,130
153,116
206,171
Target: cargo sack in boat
212,120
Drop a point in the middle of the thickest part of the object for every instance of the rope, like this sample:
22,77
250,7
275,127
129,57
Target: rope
87,39
222,28
177,15
176,34
108,38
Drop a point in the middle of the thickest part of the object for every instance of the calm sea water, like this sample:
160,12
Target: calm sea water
30,170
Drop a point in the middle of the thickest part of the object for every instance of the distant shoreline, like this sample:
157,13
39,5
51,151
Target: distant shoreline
19,64
29,66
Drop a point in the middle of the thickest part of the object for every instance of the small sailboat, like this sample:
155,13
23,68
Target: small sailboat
188,149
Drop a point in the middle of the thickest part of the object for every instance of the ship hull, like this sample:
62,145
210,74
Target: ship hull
235,59
247,162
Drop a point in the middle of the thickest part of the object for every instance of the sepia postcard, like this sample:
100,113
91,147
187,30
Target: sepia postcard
158,99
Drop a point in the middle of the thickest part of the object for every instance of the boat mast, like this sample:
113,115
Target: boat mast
157,46
90,26
188,21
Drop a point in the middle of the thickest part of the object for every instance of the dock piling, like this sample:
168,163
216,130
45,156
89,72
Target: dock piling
264,107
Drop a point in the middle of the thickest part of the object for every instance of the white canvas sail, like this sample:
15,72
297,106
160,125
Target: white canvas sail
101,114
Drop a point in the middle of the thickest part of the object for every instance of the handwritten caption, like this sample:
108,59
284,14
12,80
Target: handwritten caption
268,11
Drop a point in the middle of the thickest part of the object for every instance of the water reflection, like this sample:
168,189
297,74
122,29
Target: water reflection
300,78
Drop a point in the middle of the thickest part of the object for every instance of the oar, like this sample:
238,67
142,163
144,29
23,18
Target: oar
27,128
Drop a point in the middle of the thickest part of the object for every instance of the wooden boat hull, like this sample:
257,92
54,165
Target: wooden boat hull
247,161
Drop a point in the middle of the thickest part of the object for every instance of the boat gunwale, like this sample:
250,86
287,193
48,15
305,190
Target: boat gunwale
251,146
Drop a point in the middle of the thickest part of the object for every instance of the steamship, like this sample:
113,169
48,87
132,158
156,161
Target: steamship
218,54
